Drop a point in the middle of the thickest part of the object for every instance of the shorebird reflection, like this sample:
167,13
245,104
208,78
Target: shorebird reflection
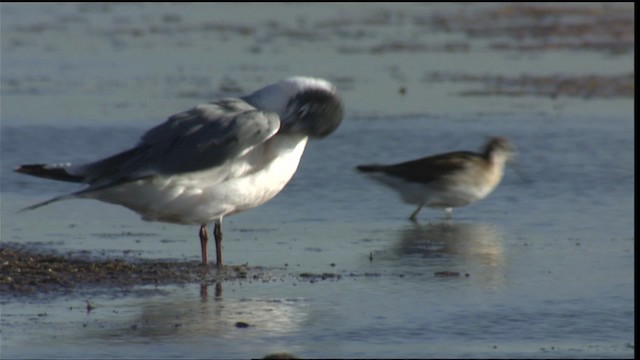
478,241
467,248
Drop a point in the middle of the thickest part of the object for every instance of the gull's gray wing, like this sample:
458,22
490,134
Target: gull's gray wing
203,137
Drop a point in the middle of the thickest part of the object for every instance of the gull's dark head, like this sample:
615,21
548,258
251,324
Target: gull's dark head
314,111
306,105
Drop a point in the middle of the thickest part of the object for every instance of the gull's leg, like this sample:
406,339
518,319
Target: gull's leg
217,235
204,237
415,213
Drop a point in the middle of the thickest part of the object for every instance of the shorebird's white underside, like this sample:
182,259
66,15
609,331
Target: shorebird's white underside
439,194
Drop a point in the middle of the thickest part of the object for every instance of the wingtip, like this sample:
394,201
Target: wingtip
27,169
47,171
368,168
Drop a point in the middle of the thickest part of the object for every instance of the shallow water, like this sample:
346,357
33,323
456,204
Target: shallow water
546,265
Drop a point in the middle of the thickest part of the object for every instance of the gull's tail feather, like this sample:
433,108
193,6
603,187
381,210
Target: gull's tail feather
47,171
51,171
55,199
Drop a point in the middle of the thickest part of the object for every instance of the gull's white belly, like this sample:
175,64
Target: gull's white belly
200,197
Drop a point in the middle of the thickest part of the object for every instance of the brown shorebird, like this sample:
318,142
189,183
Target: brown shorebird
447,180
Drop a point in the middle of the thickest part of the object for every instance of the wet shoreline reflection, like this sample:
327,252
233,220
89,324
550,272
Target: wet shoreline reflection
471,248
217,318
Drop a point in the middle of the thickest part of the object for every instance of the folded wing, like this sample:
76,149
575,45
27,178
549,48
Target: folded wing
426,169
198,139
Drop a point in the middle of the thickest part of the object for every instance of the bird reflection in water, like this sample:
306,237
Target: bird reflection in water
463,239
183,316
204,291
474,249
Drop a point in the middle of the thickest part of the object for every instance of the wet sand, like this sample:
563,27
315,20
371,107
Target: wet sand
26,272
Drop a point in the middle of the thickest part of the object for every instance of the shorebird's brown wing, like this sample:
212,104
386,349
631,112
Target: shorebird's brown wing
430,168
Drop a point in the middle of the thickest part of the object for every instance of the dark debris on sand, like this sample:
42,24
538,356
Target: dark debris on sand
26,272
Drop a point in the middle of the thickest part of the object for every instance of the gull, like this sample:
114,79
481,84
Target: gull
447,180
217,159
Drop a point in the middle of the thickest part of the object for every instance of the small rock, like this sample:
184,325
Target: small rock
282,356
242,325
446,273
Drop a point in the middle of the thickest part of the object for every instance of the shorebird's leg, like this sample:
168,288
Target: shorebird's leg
415,213
204,237
217,235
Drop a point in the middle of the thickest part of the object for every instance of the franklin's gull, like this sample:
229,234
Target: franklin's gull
217,159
